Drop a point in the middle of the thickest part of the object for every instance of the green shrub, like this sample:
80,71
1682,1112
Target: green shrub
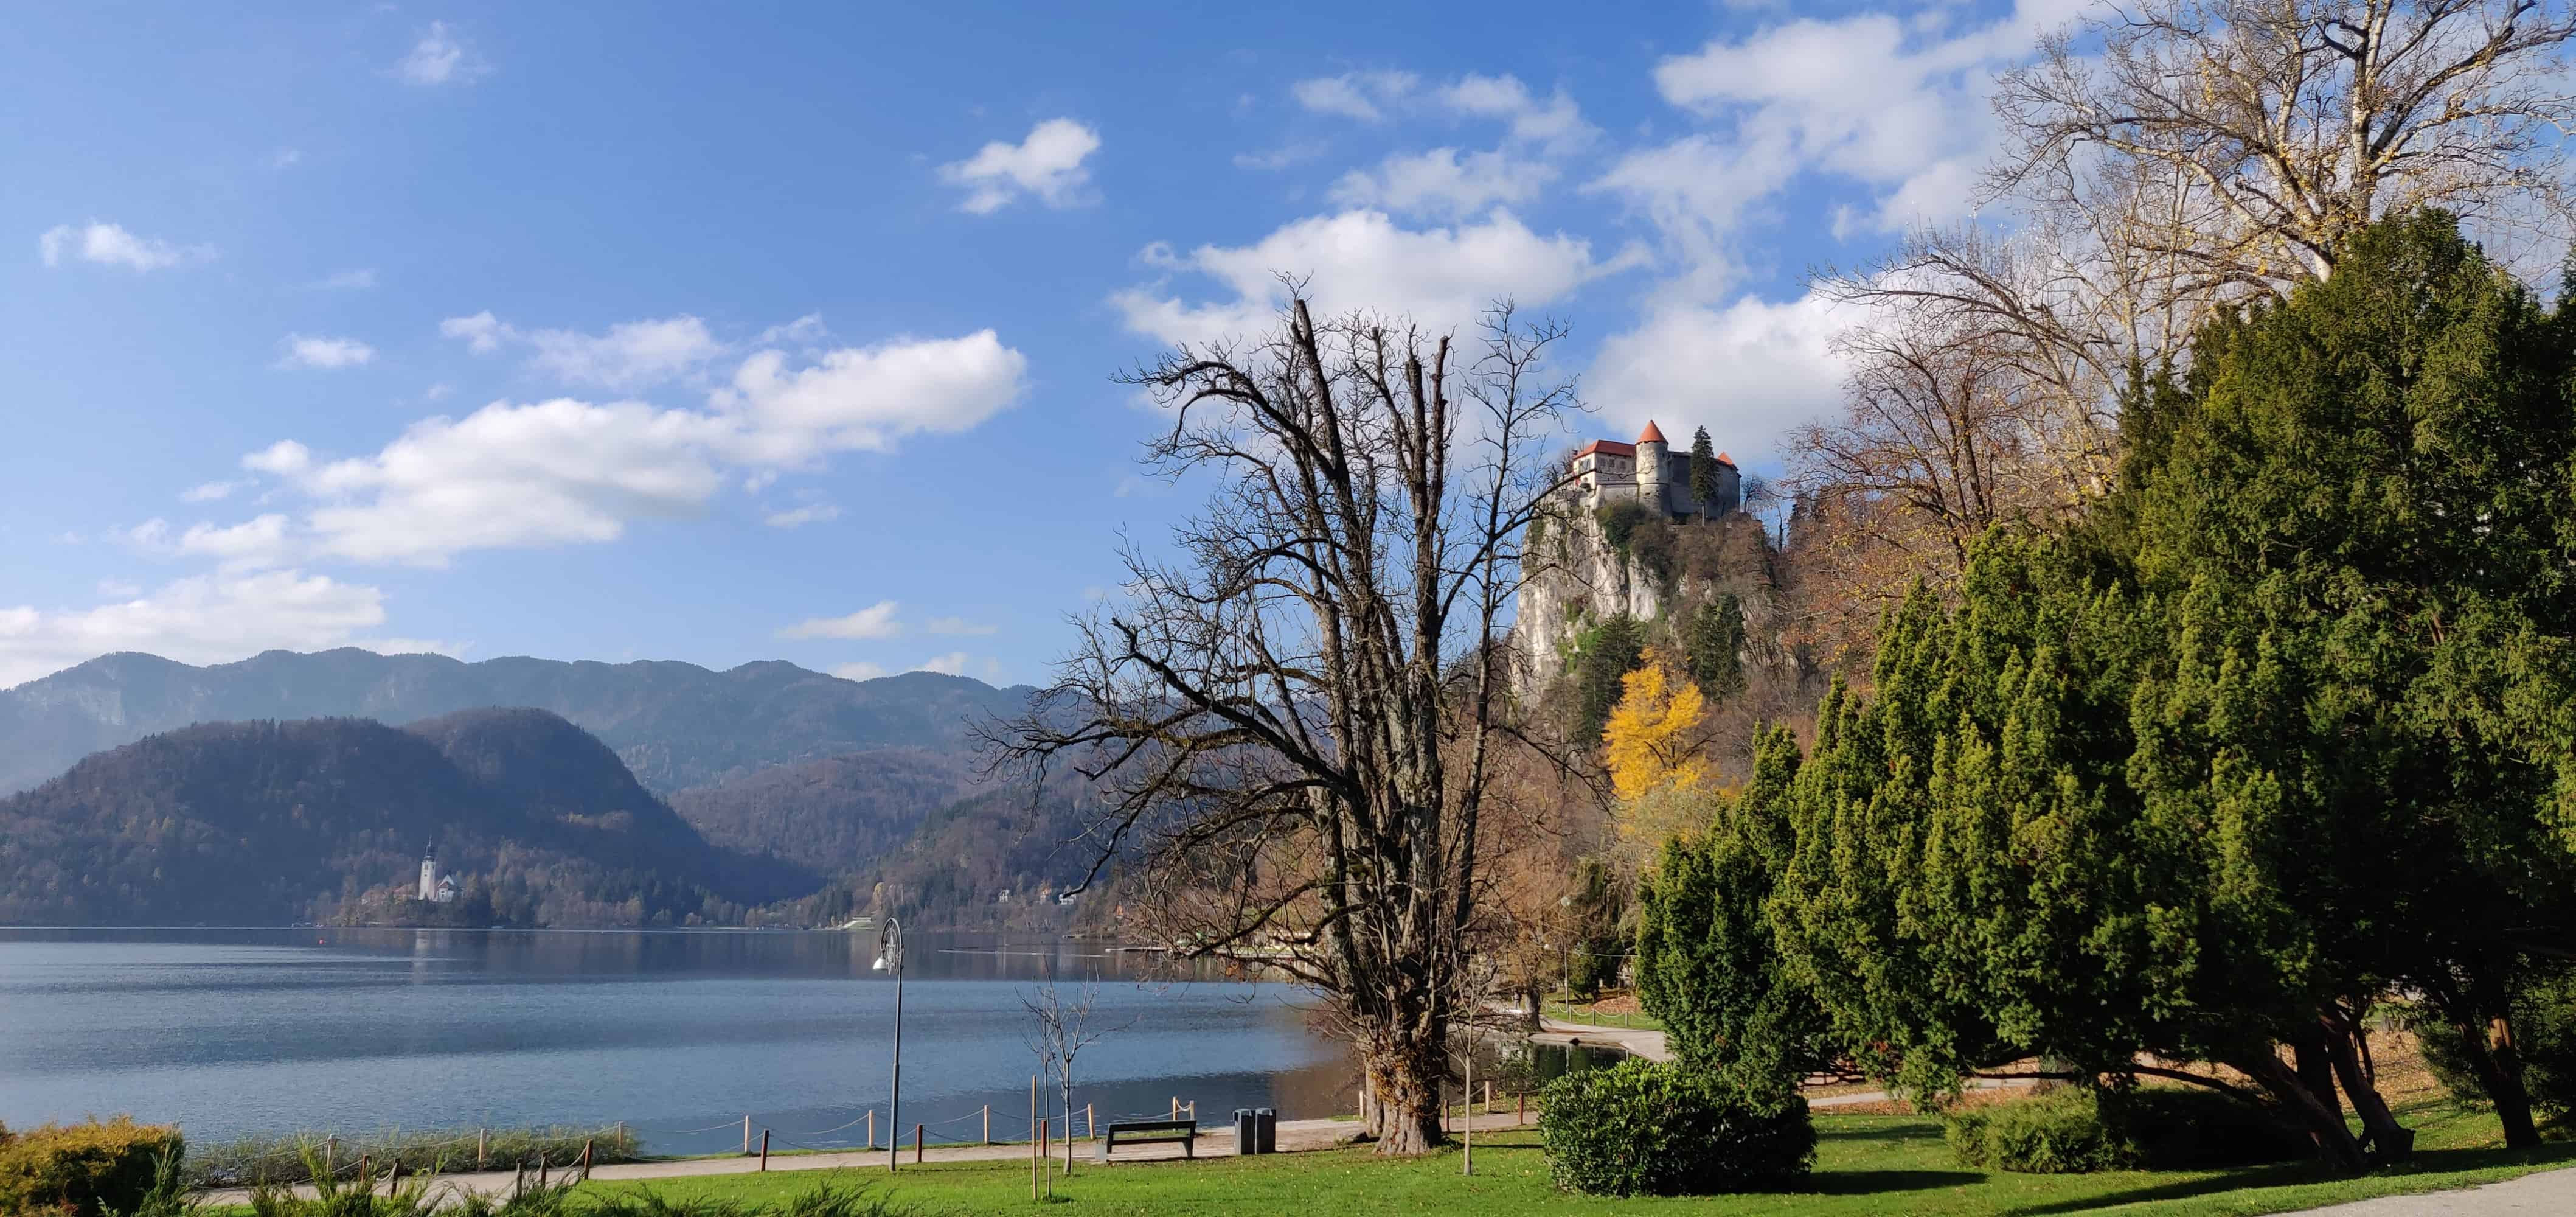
86,1169
2077,1131
2544,1032
1656,1129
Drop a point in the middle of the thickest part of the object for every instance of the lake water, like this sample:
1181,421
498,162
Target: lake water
680,1035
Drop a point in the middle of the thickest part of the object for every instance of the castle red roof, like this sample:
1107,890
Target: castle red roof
1724,459
1610,447
1651,435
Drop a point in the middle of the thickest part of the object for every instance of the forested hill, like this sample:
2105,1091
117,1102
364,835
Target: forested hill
268,822
675,725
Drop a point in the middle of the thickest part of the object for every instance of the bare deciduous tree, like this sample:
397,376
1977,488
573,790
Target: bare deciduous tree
2275,129
1062,1026
1294,718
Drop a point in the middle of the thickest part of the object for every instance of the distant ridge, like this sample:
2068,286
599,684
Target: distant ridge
268,822
675,725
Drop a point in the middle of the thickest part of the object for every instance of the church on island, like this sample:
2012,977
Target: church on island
434,887
1647,473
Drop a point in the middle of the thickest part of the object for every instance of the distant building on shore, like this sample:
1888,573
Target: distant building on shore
433,888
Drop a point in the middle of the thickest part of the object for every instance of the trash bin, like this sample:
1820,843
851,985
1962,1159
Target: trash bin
1266,1132
1247,1134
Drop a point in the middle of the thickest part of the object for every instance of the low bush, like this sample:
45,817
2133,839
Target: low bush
2075,1130
86,1169
1656,1129
298,1158
427,1198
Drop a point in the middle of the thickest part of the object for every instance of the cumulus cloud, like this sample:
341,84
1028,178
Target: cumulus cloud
1556,123
565,470
1441,277
441,57
207,492
1359,95
950,664
317,351
206,619
875,621
631,355
1750,372
1047,165
1897,104
109,244
1440,182
798,517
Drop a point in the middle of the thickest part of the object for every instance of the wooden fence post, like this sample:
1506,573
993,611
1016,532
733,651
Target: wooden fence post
1520,1109
482,1146
585,1158
764,1149
988,1124
1176,1107
331,1156
621,1137
1090,1128
746,1136
916,1145
872,1128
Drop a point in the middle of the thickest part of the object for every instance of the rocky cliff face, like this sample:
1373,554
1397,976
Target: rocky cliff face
1585,580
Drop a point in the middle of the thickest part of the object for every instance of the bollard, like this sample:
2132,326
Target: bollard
916,1145
746,1136
764,1149
988,1124
1489,1096
872,1128
1089,1129
1176,1107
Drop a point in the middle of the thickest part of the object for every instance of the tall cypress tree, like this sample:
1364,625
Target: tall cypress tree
1703,471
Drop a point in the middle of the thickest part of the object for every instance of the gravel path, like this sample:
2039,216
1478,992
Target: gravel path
2550,1192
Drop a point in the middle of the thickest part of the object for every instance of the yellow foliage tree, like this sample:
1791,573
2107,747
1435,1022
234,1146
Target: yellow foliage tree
1651,742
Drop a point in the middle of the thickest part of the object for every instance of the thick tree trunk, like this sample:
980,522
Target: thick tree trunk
2323,1119
1404,1102
2498,1064
2315,1068
2387,1140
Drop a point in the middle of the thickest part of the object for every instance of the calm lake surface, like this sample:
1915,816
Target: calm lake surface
679,1034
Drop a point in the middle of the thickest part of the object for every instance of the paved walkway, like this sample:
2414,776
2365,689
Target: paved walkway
2550,1192
1295,1136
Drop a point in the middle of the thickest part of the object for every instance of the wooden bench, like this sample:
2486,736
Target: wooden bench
1136,1132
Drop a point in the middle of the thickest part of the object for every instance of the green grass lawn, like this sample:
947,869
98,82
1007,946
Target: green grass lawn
1865,1165
1564,1007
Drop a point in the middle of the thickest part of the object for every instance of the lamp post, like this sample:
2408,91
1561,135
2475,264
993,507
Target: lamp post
890,958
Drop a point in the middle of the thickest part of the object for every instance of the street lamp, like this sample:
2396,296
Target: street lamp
890,958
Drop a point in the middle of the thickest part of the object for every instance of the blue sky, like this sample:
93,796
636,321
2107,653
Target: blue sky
721,333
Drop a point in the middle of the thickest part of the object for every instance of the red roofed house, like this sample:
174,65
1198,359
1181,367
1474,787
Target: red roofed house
1648,472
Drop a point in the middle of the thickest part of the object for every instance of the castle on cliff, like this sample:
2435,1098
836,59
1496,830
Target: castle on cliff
1607,473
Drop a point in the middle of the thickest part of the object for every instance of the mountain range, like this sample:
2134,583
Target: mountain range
305,786
675,725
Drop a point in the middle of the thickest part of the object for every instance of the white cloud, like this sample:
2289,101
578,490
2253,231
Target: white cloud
565,471
208,492
1556,123
958,625
1439,183
1354,94
482,332
260,541
867,398
1441,277
353,280
111,245
1750,372
285,458
440,57
316,351
1278,158
950,664
1895,104
631,355
206,619
1698,190
798,517
1047,164
875,621
859,671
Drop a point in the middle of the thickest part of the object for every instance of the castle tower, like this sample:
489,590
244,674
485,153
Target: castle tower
1651,471
429,874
